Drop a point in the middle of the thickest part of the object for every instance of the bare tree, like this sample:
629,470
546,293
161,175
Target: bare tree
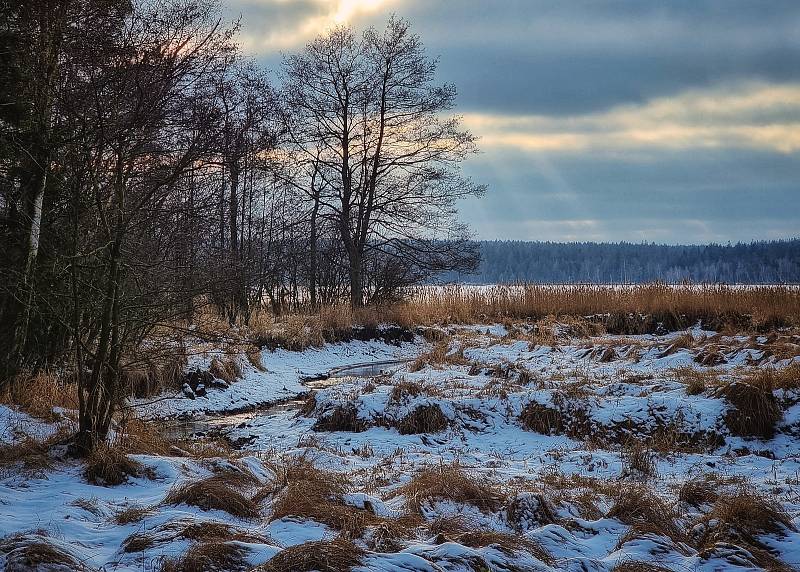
369,110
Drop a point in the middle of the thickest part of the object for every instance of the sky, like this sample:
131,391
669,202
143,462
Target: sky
602,120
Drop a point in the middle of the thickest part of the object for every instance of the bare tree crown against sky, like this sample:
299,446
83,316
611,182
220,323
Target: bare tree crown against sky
603,120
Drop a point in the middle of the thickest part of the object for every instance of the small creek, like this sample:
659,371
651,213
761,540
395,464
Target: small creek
220,424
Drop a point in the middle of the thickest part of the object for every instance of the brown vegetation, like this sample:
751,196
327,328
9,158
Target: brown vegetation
38,394
213,493
36,552
338,555
109,466
213,556
341,418
451,482
301,490
755,411
423,419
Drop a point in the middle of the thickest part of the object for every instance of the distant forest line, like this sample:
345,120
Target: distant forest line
766,262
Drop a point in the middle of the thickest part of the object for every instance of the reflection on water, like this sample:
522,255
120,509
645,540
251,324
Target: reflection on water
185,429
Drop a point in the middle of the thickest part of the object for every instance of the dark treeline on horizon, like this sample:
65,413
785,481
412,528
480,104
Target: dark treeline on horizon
764,262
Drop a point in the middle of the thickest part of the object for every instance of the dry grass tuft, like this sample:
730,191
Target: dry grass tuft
254,357
213,493
746,514
404,390
29,454
638,459
207,556
698,492
132,514
342,418
152,375
451,482
542,419
227,369
570,418
303,491
37,395
510,544
441,355
645,512
338,555
36,552
638,566
424,419
109,466
756,411
737,519
696,380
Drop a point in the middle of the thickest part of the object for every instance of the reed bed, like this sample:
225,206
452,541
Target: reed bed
675,306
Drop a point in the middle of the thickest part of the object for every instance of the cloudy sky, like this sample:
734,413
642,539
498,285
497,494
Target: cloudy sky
670,121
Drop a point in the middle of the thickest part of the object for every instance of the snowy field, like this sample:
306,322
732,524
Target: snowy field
494,447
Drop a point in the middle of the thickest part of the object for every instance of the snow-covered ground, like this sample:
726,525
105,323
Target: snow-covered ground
571,456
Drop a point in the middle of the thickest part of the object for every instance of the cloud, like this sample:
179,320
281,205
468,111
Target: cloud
271,25
747,116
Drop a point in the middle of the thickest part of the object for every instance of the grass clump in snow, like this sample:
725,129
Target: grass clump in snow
304,491
755,411
213,493
746,514
698,492
336,555
461,530
645,512
227,369
638,566
423,419
451,482
35,551
109,466
341,418
209,556
438,357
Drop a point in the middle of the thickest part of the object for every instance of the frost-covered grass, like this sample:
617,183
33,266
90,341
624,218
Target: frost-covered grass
499,448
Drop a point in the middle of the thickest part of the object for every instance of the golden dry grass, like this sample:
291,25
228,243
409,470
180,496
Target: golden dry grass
38,394
209,556
36,551
338,555
213,493
109,466
451,482
675,307
304,491
423,419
